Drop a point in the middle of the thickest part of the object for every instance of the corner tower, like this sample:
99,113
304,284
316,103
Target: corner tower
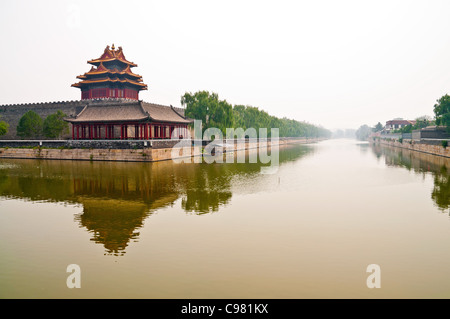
110,77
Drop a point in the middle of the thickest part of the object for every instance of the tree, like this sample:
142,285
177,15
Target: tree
378,127
4,127
423,121
201,106
213,112
30,125
54,125
363,132
442,111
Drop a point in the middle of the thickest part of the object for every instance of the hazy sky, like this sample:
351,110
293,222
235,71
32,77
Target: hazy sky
339,64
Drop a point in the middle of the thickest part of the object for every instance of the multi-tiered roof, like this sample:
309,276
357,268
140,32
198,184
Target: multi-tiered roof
110,77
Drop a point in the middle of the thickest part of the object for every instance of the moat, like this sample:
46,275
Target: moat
168,230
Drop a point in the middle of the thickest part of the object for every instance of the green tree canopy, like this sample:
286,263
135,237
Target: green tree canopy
4,127
30,125
213,112
54,125
442,111
378,127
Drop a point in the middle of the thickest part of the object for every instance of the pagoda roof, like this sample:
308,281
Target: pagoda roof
111,54
127,110
80,84
111,74
101,69
162,113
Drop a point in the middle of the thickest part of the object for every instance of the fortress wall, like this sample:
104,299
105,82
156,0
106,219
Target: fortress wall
12,113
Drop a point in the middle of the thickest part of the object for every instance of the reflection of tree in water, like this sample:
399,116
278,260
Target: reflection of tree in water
208,188
421,163
118,197
441,190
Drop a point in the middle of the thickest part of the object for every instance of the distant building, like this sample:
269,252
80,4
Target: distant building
397,124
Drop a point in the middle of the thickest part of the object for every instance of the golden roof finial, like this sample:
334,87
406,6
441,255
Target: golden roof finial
113,47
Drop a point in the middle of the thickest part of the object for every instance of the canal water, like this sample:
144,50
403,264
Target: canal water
168,230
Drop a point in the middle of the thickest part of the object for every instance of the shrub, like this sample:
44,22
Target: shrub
444,143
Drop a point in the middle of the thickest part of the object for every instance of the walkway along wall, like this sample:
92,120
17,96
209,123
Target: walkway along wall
128,151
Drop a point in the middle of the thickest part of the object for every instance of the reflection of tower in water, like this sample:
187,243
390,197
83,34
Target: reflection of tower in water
117,197
113,223
116,205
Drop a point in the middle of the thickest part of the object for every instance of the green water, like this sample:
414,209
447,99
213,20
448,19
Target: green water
167,230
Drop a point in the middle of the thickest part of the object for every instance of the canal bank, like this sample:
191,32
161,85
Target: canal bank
127,151
433,147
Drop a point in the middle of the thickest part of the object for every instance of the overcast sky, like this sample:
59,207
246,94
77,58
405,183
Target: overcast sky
339,64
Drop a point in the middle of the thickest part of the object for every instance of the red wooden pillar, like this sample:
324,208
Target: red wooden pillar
73,132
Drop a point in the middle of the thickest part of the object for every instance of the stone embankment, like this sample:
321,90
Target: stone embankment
128,151
434,147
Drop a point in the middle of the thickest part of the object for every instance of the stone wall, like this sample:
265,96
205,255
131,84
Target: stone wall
430,147
12,113
138,152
